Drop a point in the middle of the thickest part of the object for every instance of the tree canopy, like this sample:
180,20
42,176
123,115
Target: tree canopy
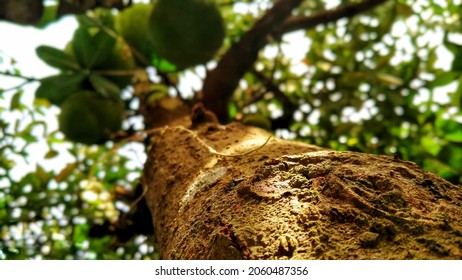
374,76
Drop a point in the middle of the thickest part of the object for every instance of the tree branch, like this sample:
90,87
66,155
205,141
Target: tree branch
220,83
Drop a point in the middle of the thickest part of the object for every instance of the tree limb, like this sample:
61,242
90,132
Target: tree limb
221,82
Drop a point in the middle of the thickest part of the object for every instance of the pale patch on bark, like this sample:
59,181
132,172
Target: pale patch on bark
203,181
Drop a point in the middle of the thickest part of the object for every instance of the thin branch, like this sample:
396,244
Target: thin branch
168,82
268,82
15,87
16,75
308,22
287,105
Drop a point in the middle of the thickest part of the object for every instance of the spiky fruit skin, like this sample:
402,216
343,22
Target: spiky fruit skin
86,117
186,32
132,25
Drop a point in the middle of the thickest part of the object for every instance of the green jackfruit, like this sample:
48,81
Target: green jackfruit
186,32
87,117
132,25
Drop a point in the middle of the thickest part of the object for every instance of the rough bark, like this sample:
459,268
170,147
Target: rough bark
289,200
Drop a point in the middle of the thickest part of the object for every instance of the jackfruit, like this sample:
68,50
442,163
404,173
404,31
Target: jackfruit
87,117
132,25
186,32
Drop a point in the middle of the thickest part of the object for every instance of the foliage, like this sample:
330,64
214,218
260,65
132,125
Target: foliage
379,83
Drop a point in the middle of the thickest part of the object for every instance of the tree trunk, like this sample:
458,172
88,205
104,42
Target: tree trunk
226,192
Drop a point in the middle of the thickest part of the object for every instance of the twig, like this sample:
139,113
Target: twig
15,75
288,106
267,82
139,198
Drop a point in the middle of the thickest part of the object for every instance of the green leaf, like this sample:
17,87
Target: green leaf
26,133
42,175
162,64
404,10
450,129
66,172
439,167
455,136
80,234
104,86
452,47
232,110
430,145
32,179
92,46
453,156
158,92
59,87
57,58
16,101
457,62
442,79
51,154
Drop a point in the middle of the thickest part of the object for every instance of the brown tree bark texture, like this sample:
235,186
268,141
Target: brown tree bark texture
289,200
